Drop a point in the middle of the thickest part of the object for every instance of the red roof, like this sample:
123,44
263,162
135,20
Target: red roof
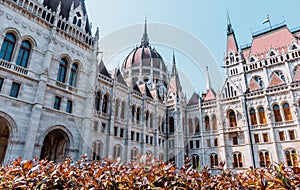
231,44
274,39
210,95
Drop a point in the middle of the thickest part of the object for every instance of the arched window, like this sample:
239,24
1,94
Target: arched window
98,101
287,112
213,160
277,115
134,153
259,81
105,103
280,75
292,158
206,122
197,125
123,108
96,150
138,112
196,161
232,118
214,122
8,47
191,130
62,70
117,151
171,124
264,159
237,160
253,117
262,116
24,53
73,75
117,105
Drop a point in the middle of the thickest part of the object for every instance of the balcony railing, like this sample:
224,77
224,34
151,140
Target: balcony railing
283,123
13,67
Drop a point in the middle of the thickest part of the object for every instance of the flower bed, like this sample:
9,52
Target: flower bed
143,173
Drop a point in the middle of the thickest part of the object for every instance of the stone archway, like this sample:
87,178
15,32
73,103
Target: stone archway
4,137
56,146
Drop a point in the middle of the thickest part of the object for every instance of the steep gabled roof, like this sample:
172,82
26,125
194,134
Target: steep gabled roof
145,90
210,95
136,88
194,99
120,78
174,84
103,70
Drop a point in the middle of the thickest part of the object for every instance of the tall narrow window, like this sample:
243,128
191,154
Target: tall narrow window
57,102
265,137
8,47
138,112
151,120
277,115
24,53
287,112
253,117
132,113
1,83
262,115
292,134
117,151
69,106
191,130
195,160
117,106
232,119
62,70
105,103
171,123
14,91
214,123
123,108
292,158
206,121
256,138
98,101
73,75
281,136
197,125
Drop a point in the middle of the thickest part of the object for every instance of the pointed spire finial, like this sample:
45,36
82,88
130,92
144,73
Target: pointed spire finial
229,26
145,39
174,71
208,84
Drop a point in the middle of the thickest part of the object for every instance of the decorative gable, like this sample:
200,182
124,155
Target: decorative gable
276,81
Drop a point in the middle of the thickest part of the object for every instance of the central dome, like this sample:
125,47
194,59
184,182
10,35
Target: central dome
144,65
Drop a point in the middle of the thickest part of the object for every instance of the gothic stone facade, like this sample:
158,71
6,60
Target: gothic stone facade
58,99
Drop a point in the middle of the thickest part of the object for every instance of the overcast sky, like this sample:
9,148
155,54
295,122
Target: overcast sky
206,20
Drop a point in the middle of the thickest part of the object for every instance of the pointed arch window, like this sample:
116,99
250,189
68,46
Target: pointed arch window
73,75
280,75
253,117
292,158
287,112
262,116
264,159
134,153
214,122
259,81
207,124
117,151
132,113
277,115
214,160
23,55
232,118
138,113
62,70
98,100
105,103
8,47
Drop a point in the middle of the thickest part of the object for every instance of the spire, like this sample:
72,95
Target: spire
229,26
145,39
174,71
208,84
